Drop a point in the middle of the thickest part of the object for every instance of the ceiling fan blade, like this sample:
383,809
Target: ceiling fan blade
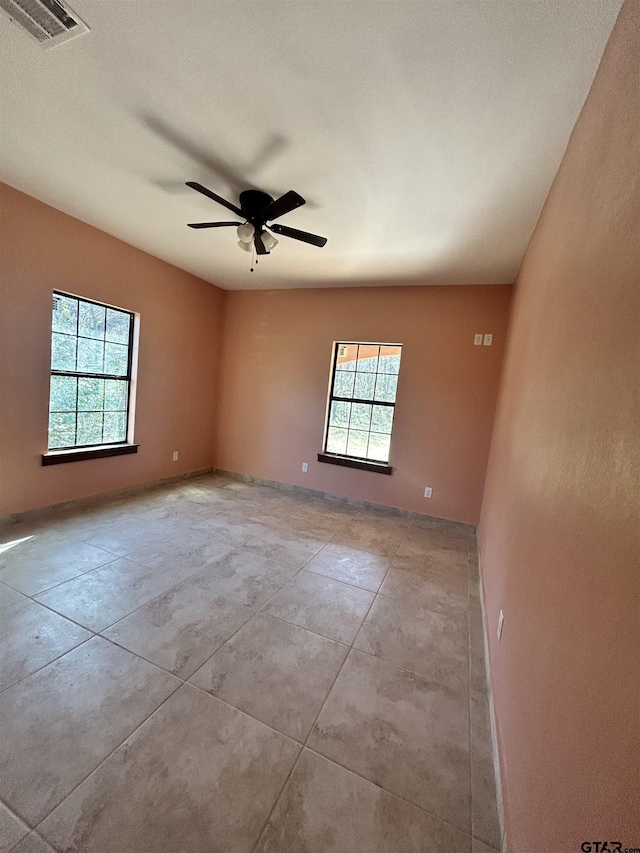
260,247
195,186
287,202
299,235
211,224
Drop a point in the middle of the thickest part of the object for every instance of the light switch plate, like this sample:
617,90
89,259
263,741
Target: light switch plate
305,467
477,340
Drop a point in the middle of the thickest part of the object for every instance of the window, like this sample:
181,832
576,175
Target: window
91,350
362,401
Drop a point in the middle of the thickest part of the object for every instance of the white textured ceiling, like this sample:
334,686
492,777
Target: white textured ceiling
424,135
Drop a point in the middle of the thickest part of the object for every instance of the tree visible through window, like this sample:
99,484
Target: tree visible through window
362,400
91,348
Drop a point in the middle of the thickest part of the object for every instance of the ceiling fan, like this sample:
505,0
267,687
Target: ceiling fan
256,209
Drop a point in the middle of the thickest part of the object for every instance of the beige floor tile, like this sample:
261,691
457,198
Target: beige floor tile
276,672
31,637
478,675
375,536
313,523
474,566
246,577
129,534
83,522
445,527
484,810
433,535
358,568
327,809
205,777
23,535
481,742
32,843
266,513
61,722
478,846
181,629
99,598
176,514
450,560
9,596
233,530
12,829
387,516
184,554
331,507
411,637
405,733
291,548
43,562
412,580
322,605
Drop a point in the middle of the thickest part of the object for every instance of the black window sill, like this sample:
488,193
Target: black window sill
55,457
378,467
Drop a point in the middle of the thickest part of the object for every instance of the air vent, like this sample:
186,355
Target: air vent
48,21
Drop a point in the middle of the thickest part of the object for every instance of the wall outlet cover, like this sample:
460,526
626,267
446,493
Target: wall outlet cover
428,492
488,340
305,467
175,455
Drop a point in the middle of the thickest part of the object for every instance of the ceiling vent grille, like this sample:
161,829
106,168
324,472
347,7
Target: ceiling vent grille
48,21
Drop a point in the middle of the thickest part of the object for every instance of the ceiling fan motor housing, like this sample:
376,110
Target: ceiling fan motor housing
253,203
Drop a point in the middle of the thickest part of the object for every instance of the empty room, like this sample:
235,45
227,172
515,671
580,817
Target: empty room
320,426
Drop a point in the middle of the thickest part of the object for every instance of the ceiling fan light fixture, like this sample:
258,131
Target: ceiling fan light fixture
269,241
245,246
245,233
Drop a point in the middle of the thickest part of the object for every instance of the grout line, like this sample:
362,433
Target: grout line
107,757
326,699
277,799
392,793
168,589
51,610
99,632
272,524
313,725
44,666
261,610
300,627
345,659
32,595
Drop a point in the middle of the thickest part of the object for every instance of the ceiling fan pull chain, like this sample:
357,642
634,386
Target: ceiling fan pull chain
253,255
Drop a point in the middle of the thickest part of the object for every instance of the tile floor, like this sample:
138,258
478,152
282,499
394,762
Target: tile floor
221,666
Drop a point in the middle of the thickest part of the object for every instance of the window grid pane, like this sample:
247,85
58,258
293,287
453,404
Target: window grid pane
90,344
362,400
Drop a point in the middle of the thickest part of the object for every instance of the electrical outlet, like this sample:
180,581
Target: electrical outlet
175,455
500,624
305,467
428,492
488,340
477,340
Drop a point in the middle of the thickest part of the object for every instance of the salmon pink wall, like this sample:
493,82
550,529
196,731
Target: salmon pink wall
42,250
277,348
560,527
